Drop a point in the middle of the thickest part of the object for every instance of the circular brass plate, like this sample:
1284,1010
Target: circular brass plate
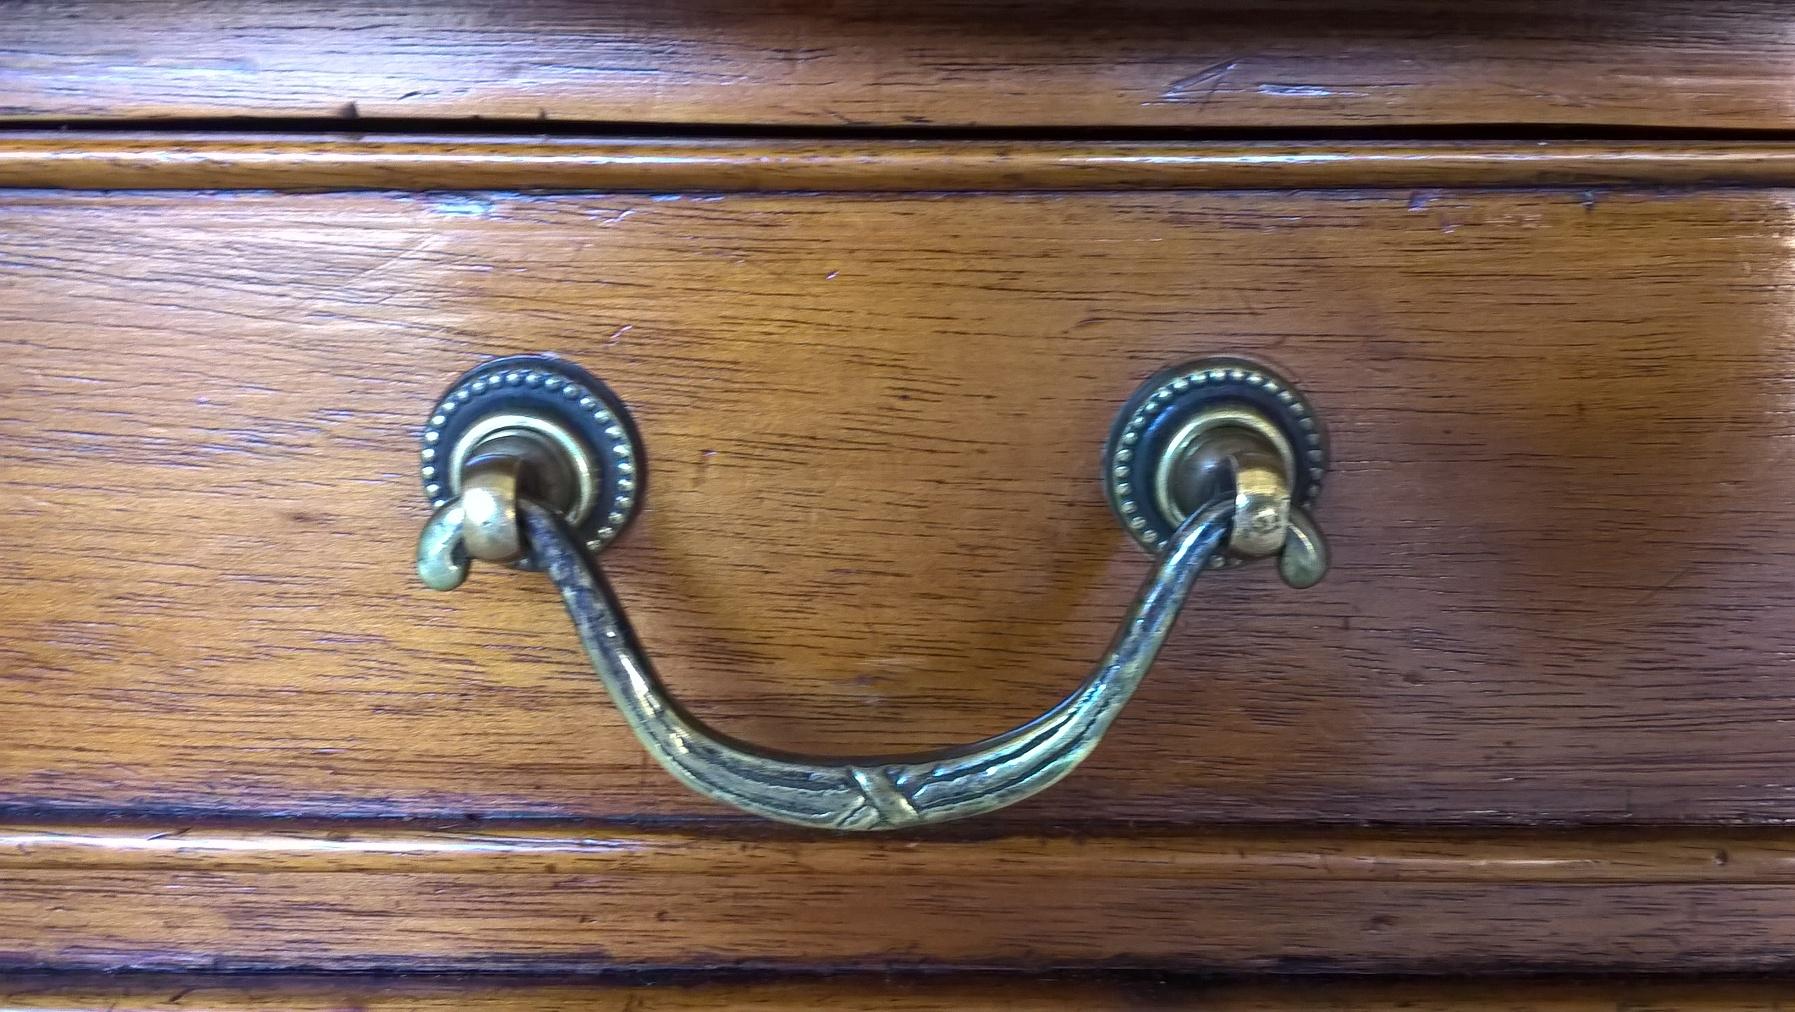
1174,406
572,450
557,402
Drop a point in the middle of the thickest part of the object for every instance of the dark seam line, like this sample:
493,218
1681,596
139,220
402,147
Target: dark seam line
600,130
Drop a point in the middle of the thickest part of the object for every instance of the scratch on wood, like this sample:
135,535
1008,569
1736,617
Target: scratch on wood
1201,86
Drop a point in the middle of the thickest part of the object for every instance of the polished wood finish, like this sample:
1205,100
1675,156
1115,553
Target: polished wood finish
165,993
873,522
1143,64
862,919
1736,856
873,279
518,896
105,161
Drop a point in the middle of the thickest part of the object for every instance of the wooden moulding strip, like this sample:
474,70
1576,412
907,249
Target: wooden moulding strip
1602,856
102,161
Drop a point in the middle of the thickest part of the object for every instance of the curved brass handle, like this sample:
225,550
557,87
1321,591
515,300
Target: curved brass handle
874,792
1243,505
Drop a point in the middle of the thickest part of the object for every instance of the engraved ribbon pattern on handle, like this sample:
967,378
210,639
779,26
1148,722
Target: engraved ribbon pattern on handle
870,793
531,461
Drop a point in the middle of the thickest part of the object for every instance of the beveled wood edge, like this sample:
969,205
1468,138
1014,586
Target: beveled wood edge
103,161
967,993
1714,856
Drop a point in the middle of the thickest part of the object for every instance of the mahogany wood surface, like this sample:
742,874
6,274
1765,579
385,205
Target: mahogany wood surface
873,279
1562,589
1569,855
96,160
528,897
816,921
860,993
1283,65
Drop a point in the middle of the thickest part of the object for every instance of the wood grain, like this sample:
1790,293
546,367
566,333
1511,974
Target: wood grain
1563,580
528,897
474,896
1585,855
557,922
94,160
973,993
1159,64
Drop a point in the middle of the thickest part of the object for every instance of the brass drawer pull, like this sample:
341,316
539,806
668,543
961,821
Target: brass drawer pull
531,460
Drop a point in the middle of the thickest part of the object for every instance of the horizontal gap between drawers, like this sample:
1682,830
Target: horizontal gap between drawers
688,989
108,161
533,128
1595,856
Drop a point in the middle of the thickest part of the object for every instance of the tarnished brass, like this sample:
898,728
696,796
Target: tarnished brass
1199,459
1227,477
1220,428
1304,559
572,443
442,561
489,497
1225,452
560,465
1234,451
870,792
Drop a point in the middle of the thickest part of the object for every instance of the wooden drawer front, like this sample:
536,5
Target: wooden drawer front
1286,65
1562,526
